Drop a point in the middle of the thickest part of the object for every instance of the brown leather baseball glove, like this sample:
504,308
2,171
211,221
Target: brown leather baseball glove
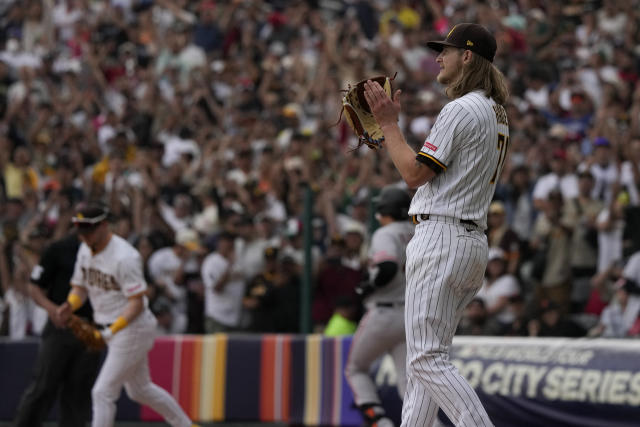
86,332
359,116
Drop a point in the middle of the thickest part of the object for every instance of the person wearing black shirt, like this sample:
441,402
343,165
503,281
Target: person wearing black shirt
63,365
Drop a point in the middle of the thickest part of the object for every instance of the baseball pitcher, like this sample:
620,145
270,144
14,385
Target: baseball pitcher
456,172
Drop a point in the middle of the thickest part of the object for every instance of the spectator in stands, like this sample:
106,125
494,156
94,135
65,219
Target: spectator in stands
519,326
474,319
604,169
25,317
174,112
354,255
519,203
170,268
582,212
617,319
224,287
500,235
620,318
286,308
561,178
258,301
610,223
551,322
602,289
344,320
630,170
552,238
498,287
334,280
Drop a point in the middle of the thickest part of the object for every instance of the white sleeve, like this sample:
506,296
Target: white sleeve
212,270
169,216
131,276
383,248
541,188
603,216
510,286
155,265
627,179
454,123
632,269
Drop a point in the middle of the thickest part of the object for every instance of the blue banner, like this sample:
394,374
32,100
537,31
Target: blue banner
556,382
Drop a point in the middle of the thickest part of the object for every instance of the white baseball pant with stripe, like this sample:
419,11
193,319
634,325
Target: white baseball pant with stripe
381,331
445,265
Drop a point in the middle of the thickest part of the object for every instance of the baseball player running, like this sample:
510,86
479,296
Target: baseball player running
108,271
381,330
455,173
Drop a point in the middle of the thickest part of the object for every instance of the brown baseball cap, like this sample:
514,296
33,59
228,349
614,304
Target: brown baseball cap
473,37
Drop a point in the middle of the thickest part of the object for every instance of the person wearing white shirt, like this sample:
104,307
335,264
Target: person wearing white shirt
630,172
604,170
498,287
610,224
224,285
621,315
167,267
560,178
632,268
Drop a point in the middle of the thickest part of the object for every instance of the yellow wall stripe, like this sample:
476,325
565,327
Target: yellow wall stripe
438,162
207,378
313,386
219,376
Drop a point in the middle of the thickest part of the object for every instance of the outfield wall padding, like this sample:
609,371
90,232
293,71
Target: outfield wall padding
298,379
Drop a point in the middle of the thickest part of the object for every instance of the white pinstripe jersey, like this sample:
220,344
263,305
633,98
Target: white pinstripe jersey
111,276
466,147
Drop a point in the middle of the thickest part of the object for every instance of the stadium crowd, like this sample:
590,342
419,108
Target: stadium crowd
203,123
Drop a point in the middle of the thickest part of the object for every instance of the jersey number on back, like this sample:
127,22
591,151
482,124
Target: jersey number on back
503,146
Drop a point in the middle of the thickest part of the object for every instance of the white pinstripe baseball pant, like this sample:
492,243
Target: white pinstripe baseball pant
445,265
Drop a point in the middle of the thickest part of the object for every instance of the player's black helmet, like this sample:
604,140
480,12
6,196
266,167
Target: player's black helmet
91,213
394,202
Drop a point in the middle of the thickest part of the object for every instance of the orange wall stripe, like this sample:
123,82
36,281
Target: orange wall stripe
220,377
286,377
186,369
196,364
267,378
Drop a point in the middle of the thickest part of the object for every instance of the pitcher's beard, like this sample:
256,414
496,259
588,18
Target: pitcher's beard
443,80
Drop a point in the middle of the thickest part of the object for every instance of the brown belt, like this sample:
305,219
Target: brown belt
424,217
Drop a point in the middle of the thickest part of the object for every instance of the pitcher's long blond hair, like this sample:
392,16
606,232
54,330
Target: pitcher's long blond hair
480,74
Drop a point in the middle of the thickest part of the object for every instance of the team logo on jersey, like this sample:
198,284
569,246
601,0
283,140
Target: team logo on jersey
430,146
99,279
